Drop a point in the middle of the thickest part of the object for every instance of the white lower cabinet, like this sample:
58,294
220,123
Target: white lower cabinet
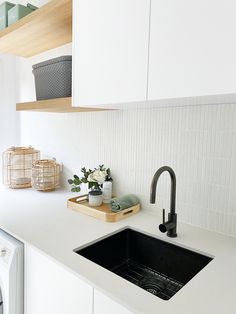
50,289
104,305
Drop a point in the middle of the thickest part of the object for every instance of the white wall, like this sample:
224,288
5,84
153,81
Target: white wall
9,122
199,142
9,119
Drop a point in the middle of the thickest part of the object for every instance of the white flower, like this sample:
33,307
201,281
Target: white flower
90,178
97,176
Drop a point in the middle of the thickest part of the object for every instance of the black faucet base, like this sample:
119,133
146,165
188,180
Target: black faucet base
172,231
171,235
170,226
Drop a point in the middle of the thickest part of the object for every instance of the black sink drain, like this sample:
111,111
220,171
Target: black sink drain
153,286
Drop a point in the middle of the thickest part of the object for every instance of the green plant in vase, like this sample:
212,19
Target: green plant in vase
94,178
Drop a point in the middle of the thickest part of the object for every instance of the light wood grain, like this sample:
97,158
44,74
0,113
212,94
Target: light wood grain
60,105
48,27
102,212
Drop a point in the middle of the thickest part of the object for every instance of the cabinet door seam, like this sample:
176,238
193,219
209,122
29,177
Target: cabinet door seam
93,302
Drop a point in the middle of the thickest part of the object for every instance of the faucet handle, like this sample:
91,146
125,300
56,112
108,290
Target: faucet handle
163,215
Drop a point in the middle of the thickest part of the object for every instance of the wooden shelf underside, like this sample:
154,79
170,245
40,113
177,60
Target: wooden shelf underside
46,28
60,105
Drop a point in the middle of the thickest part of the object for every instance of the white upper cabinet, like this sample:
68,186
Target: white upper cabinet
192,48
131,51
110,51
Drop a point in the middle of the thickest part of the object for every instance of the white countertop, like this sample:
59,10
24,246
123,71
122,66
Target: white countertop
43,221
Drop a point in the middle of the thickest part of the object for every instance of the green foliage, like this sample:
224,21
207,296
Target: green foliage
75,182
76,189
93,185
108,178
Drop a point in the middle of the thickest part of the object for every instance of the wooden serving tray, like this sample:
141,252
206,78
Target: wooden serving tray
103,212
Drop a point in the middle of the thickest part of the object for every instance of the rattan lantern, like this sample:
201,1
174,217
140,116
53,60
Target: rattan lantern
45,175
17,166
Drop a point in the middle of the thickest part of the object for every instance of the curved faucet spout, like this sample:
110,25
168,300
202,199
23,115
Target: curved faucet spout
172,215
173,187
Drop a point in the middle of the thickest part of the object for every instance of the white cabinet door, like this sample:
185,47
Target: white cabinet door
104,305
110,51
192,48
50,289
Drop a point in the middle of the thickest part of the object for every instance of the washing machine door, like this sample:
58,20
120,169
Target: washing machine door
1,303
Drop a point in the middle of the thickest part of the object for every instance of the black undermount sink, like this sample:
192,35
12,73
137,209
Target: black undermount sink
157,266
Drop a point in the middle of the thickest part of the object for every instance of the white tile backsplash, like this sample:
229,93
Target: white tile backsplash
199,142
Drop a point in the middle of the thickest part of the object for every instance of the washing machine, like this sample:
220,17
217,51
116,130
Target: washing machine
11,275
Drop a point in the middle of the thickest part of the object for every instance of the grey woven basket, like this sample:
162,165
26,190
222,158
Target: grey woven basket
53,78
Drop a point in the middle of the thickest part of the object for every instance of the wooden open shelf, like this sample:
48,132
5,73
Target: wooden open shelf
46,28
54,105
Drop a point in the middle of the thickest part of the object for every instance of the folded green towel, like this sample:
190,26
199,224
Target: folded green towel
119,203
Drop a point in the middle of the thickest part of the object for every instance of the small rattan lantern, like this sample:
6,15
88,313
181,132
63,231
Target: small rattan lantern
17,166
45,175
